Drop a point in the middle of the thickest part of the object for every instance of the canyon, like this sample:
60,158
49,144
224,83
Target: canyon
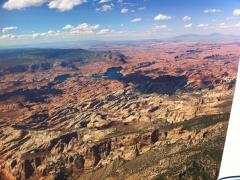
152,110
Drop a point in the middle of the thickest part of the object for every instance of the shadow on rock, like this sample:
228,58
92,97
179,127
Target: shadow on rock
165,84
33,95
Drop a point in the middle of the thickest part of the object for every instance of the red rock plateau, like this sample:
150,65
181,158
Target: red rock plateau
156,110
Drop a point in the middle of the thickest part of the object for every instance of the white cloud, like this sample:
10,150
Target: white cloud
68,30
187,18
229,26
8,29
104,1
47,34
7,37
135,20
236,12
159,27
67,27
124,10
36,35
83,31
104,31
105,7
83,28
20,4
204,26
208,11
160,17
120,1
64,5
188,25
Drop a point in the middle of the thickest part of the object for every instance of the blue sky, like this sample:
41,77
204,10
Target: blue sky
35,21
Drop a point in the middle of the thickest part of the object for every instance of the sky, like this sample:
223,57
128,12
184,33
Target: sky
39,21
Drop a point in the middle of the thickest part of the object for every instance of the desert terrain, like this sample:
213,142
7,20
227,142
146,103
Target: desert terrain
151,110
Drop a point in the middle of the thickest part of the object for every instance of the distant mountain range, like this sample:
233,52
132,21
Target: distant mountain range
208,37
36,59
215,37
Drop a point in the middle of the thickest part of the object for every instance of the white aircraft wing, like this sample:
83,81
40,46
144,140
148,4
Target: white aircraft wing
230,165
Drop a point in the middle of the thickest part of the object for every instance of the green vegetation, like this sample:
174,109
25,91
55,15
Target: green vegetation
204,164
200,122
225,104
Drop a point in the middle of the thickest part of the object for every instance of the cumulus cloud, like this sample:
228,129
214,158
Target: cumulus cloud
65,5
229,26
50,33
104,31
67,27
187,18
7,37
17,4
135,20
8,29
62,5
81,31
83,28
188,25
37,35
105,7
204,26
208,11
159,27
236,12
104,1
161,17
67,31
124,10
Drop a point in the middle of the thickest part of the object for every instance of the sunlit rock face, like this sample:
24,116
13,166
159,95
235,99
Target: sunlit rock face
145,111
